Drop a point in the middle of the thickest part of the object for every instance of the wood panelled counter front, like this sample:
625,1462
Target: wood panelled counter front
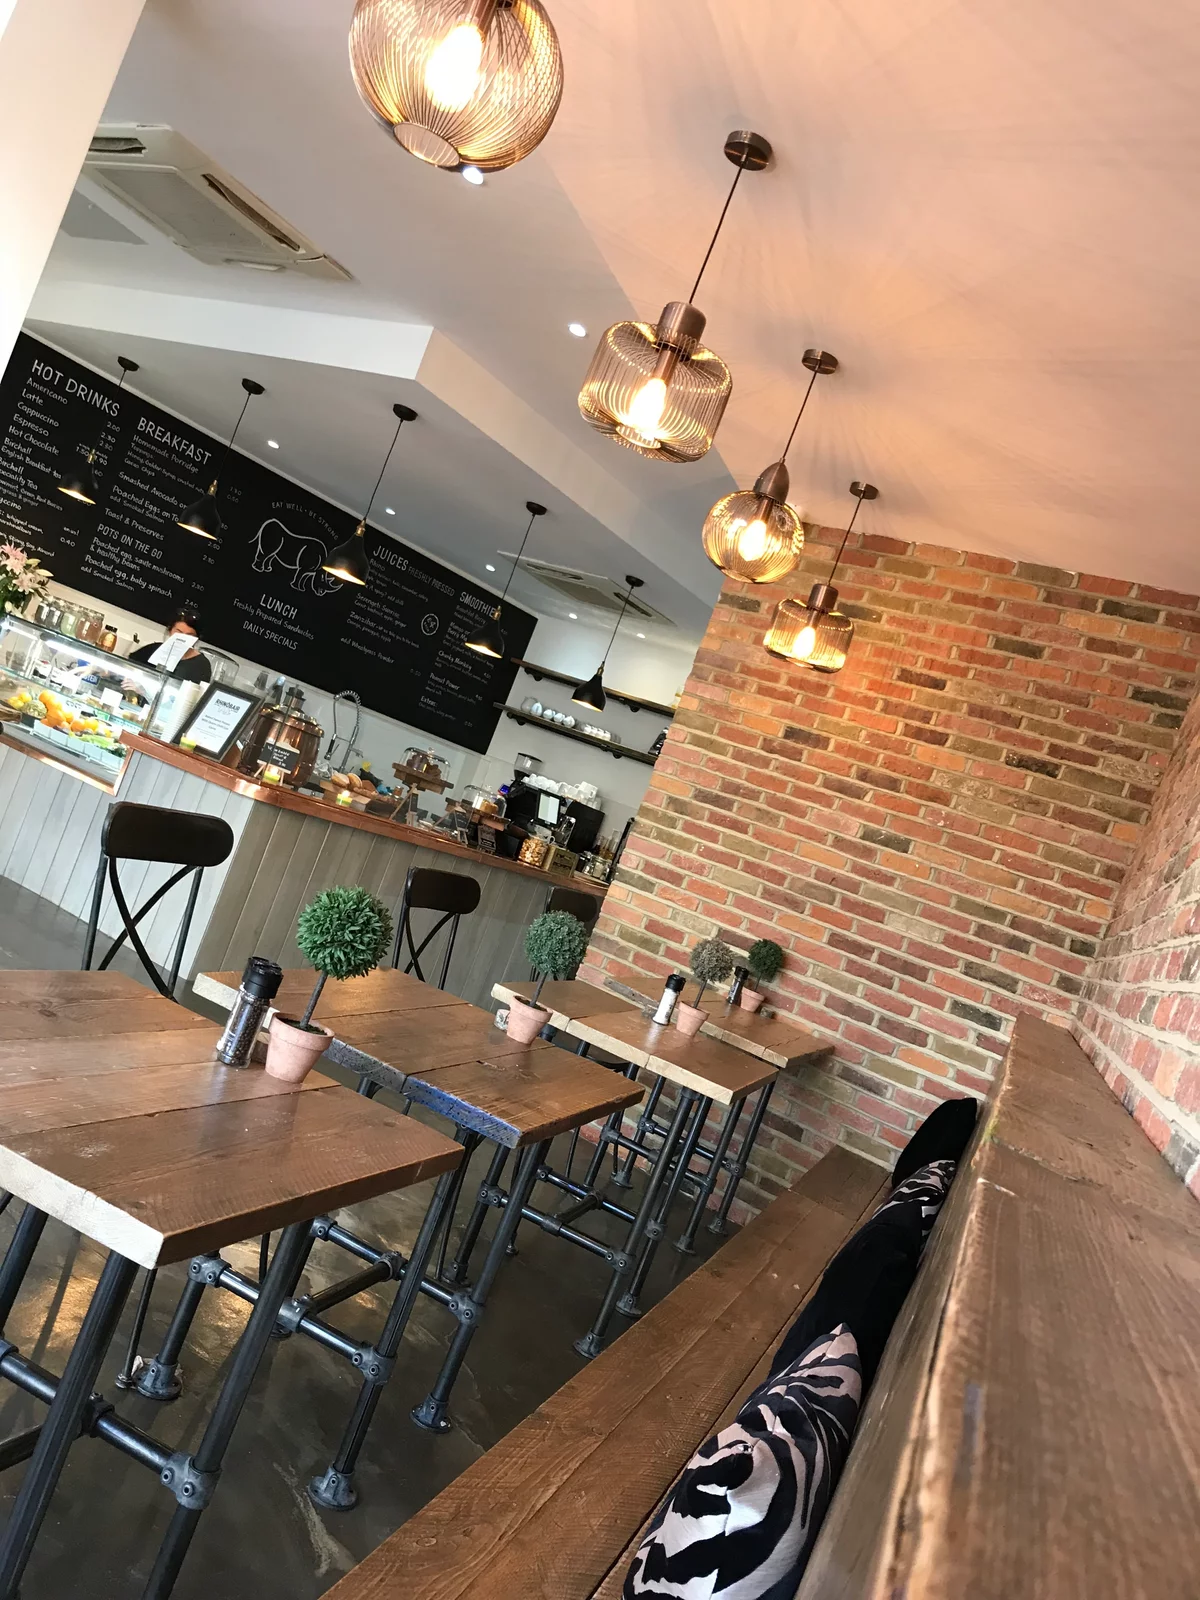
287,848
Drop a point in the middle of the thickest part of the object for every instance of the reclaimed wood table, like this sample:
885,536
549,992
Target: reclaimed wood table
115,1120
449,1057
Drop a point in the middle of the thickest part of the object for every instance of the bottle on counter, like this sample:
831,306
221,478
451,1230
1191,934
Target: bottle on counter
740,975
670,996
259,986
108,638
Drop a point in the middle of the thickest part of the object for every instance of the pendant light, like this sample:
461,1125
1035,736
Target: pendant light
818,635
592,692
458,83
203,516
658,390
79,482
350,561
489,639
754,534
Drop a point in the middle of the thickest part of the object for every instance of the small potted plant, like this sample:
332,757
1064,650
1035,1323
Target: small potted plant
712,962
764,959
554,946
343,933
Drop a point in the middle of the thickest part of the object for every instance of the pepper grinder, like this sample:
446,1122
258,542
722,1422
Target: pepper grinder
259,986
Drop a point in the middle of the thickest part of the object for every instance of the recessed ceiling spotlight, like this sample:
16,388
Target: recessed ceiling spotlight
473,175
578,329
574,616
489,566
391,511
272,444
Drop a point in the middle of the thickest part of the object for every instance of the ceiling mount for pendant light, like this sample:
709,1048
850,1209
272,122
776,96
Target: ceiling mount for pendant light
817,634
203,516
79,481
489,640
458,83
349,561
657,389
754,534
592,692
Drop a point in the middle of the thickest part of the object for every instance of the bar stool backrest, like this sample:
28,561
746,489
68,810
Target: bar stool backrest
154,833
452,894
584,907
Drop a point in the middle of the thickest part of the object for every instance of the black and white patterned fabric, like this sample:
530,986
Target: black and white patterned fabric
927,1188
740,1521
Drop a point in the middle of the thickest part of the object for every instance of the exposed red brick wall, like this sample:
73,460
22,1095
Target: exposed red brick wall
1139,1019
935,835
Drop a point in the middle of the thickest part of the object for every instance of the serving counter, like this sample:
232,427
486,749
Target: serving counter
287,847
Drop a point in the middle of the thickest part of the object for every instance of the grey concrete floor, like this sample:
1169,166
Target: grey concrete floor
261,1538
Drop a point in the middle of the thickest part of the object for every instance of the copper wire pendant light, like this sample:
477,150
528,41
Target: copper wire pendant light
349,561
489,640
203,516
658,389
818,635
754,534
458,82
79,481
592,692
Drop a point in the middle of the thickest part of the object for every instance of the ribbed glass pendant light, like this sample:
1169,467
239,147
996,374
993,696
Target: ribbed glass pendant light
592,692
818,635
79,482
203,516
458,82
350,561
657,389
754,534
489,639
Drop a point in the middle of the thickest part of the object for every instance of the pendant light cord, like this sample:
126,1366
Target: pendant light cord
621,618
800,413
720,224
232,437
841,548
533,516
383,469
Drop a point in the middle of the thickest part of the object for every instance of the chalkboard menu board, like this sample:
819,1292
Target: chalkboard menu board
260,591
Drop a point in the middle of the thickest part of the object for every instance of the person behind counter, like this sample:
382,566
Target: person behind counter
193,665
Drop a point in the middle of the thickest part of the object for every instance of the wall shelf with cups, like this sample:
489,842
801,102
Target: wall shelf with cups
633,701
523,715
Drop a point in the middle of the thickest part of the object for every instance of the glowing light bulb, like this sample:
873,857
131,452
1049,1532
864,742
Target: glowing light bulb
805,644
647,407
752,541
453,70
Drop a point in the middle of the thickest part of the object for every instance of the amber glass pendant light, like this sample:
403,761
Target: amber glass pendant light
818,635
754,534
657,389
349,561
203,516
489,639
79,482
458,82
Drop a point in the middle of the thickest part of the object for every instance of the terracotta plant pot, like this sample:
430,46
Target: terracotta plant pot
293,1051
751,999
525,1022
689,1019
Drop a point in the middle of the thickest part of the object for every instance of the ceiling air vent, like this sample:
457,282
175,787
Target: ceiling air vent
176,188
588,589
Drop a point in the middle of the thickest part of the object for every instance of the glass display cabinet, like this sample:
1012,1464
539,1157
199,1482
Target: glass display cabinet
72,700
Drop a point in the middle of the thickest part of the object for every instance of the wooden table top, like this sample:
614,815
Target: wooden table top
775,1040
449,1055
719,1071
116,1120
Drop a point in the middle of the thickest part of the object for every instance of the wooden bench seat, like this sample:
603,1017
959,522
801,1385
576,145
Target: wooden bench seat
553,1511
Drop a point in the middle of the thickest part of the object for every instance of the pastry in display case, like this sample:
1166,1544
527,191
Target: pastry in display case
63,696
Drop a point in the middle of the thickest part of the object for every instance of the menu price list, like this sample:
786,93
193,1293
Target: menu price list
259,590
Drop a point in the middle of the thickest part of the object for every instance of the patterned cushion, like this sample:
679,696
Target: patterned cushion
741,1519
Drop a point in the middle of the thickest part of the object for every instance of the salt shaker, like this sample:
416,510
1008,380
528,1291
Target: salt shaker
260,985
674,988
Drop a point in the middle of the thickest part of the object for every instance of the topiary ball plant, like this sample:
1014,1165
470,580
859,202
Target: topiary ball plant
764,959
554,946
343,933
712,962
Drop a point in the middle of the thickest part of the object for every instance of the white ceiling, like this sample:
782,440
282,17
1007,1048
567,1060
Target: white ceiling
986,213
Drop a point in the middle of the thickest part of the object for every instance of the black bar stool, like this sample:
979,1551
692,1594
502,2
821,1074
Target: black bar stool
583,907
452,894
154,833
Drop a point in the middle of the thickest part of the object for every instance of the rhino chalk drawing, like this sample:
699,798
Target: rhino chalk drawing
275,545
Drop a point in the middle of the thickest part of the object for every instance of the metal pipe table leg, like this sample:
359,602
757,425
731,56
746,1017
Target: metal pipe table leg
468,1307
193,1478
334,1489
470,1143
718,1223
627,1305
612,1126
18,1257
62,1425
686,1242
460,1266
127,1377
645,1122
590,1344
159,1379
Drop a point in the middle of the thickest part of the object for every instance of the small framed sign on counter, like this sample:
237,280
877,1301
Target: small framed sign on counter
217,721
